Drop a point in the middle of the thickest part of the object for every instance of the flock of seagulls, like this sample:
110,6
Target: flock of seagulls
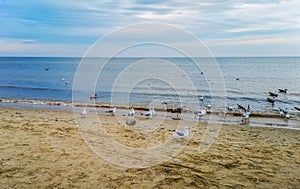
272,96
199,113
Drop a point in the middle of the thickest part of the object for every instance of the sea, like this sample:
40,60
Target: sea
140,81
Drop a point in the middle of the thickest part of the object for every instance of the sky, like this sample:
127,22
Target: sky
226,27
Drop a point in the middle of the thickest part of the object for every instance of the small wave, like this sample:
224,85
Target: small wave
35,88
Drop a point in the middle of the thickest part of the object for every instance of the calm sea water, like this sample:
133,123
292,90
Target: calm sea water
247,81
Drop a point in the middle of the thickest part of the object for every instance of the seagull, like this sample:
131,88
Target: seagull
246,114
284,113
153,112
83,113
201,98
271,100
230,108
297,108
112,111
273,94
183,133
199,113
208,106
131,112
282,90
281,111
67,82
248,108
150,113
287,116
94,96
164,102
241,107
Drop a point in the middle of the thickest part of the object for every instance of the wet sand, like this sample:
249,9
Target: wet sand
44,149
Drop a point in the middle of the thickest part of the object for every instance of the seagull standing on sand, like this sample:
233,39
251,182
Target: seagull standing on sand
183,133
150,113
131,112
112,111
83,113
199,113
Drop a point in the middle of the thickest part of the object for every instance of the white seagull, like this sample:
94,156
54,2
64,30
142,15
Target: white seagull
150,113
284,113
131,112
183,133
112,111
83,113
246,115
199,113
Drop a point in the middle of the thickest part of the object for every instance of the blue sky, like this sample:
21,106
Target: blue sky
228,28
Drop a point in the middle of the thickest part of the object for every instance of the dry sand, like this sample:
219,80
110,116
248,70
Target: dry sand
44,149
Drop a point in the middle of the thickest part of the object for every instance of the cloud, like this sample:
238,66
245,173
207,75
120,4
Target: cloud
78,22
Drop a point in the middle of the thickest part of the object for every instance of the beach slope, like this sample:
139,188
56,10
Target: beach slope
44,149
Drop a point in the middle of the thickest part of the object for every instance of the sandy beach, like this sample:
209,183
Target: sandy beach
44,149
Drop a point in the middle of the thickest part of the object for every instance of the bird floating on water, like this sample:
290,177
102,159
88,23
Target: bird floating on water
273,94
271,100
94,96
282,90
183,133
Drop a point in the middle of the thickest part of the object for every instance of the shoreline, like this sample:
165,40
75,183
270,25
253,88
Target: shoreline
257,119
